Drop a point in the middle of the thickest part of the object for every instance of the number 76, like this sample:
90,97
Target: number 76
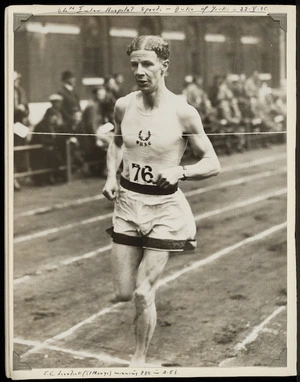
145,172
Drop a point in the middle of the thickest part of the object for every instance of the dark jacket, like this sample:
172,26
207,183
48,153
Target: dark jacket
70,102
50,154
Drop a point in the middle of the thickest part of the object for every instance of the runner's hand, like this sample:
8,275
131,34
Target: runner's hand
110,188
169,177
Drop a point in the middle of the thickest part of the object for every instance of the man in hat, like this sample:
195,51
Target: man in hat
70,100
51,156
151,217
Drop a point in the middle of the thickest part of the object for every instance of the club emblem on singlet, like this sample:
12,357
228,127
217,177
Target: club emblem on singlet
144,139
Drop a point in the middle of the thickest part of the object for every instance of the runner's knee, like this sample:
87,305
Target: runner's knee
143,299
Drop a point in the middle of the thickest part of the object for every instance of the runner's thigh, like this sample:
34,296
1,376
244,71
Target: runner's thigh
125,261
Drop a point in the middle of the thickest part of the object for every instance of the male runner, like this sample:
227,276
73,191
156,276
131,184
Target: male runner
151,216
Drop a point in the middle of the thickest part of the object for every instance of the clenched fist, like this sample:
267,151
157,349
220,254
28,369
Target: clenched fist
169,177
110,188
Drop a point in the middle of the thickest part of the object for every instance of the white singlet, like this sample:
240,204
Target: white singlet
152,142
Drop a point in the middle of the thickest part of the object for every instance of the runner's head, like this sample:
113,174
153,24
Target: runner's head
149,42
149,61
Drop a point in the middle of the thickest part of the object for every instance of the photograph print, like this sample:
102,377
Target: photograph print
151,180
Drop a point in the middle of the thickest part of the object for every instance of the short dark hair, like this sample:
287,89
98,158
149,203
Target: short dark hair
150,42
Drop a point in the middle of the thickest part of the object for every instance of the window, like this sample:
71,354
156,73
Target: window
92,48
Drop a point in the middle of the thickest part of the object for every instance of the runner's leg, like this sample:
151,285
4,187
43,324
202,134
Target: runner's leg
125,261
151,267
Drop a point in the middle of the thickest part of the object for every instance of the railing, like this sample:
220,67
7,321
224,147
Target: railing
219,142
67,167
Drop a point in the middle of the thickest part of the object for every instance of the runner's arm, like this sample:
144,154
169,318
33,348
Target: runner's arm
208,165
114,155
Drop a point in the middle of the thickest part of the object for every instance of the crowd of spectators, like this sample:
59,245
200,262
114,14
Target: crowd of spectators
234,104
65,121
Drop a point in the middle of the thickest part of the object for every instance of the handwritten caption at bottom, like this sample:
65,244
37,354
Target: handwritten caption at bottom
87,373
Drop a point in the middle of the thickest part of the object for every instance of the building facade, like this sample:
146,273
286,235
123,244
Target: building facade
94,47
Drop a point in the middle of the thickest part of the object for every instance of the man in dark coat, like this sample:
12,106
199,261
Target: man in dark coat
50,156
70,100
96,113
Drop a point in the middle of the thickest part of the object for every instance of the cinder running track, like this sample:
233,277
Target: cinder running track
221,305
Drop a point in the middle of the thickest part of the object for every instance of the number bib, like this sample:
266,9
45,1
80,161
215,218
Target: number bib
143,173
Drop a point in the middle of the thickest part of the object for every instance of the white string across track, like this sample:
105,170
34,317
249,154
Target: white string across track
121,135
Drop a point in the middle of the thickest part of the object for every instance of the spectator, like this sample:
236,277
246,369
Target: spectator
263,92
119,91
191,92
214,89
280,102
74,128
272,115
50,156
21,109
230,113
252,85
95,114
206,110
238,87
56,108
238,90
70,97
111,96
21,113
228,106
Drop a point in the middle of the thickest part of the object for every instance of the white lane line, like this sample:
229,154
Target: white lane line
67,261
22,279
61,228
243,203
88,199
21,341
88,255
59,206
88,320
74,328
256,162
233,182
164,281
257,329
221,253
253,335
205,215
80,354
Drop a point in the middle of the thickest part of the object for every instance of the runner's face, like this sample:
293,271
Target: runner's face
148,69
